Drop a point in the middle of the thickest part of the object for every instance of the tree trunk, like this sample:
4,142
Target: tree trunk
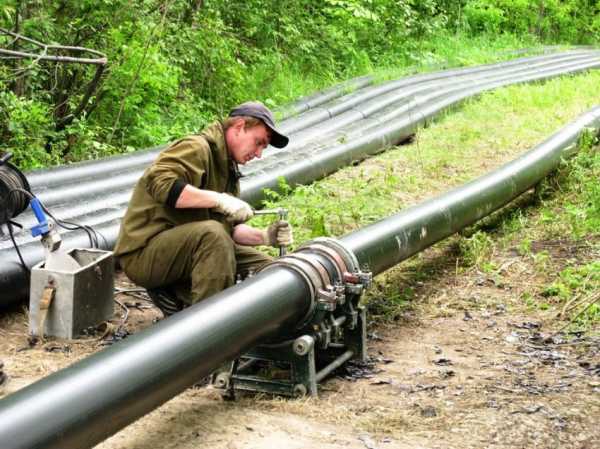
19,84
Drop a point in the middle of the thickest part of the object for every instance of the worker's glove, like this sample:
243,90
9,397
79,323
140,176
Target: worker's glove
279,234
235,210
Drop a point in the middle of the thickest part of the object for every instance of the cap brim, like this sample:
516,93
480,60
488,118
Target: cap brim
278,140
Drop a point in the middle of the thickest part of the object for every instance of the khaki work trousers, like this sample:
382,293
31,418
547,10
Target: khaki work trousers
196,260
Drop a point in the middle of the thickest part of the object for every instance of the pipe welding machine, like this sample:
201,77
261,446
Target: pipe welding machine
332,332
70,290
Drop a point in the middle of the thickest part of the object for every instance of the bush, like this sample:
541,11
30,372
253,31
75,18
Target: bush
25,127
173,66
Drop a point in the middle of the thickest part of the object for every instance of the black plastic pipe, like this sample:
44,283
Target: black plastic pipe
399,101
68,194
369,102
311,165
86,179
388,242
318,98
55,176
89,401
126,176
320,114
306,167
82,405
82,172
98,185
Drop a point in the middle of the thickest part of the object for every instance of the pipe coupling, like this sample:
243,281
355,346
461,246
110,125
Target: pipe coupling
331,272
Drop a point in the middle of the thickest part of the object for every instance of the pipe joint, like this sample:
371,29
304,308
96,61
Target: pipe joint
333,276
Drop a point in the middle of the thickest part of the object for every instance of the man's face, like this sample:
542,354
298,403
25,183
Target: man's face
247,144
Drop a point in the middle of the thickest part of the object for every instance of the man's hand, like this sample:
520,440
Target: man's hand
236,210
279,234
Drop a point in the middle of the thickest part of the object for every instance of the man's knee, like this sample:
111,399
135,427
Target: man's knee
211,233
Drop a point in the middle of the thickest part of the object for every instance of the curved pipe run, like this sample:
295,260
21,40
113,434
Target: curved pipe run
89,401
388,242
379,135
82,172
376,109
383,129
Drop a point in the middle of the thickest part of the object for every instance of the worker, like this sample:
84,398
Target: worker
183,236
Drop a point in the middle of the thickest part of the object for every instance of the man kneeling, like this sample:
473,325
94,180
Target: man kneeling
183,236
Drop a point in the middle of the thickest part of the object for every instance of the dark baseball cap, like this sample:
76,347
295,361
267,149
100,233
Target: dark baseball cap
260,111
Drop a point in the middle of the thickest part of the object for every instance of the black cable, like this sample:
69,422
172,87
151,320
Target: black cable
92,234
12,238
13,207
12,181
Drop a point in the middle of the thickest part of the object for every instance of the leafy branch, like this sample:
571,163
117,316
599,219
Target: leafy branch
52,53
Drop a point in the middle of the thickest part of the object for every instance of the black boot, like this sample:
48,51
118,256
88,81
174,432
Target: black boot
3,376
166,300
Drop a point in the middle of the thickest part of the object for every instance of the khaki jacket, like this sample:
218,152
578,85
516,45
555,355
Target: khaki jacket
200,160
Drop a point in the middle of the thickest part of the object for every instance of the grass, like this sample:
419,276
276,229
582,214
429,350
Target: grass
468,142
290,82
456,50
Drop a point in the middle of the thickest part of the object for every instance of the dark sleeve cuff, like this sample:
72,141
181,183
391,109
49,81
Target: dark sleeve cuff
175,191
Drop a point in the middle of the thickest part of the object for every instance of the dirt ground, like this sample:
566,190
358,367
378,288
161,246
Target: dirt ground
466,365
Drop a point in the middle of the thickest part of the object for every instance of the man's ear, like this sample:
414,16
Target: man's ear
239,123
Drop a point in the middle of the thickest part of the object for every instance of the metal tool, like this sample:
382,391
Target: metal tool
56,259
282,214
70,290
332,332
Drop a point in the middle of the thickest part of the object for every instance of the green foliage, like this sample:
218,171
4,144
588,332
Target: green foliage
576,283
573,21
585,173
386,302
580,208
476,249
483,15
25,125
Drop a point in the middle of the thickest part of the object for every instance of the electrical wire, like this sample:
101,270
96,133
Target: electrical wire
9,225
11,180
94,236
17,207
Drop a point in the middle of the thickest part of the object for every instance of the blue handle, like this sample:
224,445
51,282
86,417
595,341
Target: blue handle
42,227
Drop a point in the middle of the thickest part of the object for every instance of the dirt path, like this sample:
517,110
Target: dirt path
465,366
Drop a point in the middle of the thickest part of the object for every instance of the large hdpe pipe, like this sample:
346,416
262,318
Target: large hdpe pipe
75,190
310,166
384,244
318,98
306,168
368,102
320,114
83,172
78,181
377,112
102,195
94,192
91,400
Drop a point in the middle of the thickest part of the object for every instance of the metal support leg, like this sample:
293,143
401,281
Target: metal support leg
356,339
299,354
